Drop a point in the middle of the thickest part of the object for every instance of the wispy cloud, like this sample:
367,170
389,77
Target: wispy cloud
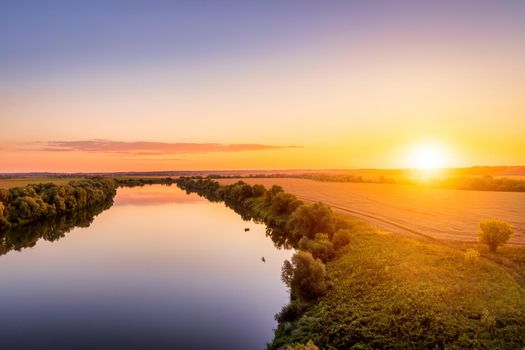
145,148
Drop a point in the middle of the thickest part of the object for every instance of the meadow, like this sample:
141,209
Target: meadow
415,210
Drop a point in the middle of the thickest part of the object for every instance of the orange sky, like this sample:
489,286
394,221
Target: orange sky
332,87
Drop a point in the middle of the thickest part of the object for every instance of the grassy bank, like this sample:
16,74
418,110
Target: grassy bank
395,292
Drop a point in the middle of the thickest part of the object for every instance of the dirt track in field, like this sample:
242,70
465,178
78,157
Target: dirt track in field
438,213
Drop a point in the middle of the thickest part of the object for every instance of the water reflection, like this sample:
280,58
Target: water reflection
156,271
49,229
154,195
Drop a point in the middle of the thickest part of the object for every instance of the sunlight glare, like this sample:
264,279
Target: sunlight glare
427,156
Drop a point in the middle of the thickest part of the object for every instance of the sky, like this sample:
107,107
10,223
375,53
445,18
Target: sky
169,85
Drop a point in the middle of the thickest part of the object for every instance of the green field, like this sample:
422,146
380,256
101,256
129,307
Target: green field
396,292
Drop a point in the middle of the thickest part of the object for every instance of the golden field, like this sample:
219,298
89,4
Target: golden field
416,210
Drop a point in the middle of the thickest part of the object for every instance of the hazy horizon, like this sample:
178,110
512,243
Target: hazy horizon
261,85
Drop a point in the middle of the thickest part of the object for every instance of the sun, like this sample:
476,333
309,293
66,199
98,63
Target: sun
427,156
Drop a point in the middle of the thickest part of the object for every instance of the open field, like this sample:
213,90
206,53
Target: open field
23,181
438,213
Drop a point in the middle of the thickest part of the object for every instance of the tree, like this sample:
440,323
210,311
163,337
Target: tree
320,247
4,195
341,238
3,220
494,233
305,276
307,220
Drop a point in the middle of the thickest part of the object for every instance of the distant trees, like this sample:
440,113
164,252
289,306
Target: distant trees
494,233
134,182
21,205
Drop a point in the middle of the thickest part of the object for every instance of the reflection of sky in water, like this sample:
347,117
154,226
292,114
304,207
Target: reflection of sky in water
152,195
146,276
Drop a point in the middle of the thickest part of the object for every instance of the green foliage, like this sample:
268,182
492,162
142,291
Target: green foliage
258,190
22,205
308,346
4,195
341,238
494,233
392,292
306,277
139,182
320,247
295,308
3,220
307,220
49,228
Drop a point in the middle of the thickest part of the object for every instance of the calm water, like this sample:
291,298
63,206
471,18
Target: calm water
160,269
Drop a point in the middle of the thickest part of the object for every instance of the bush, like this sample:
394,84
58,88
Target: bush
340,239
291,312
4,195
320,247
494,233
471,255
3,220
307,220
305,276
308,346
258,190
37,201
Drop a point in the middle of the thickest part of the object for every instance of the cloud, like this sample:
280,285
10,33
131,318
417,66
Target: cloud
145,148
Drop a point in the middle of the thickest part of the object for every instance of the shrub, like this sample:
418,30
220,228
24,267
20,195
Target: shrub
258,190
284,203
305,276
4,195
3,220
487,320
308,346
340,239
471,255
291,312
320,247
494,233
307,220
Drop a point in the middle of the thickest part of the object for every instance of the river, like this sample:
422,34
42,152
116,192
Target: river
160,269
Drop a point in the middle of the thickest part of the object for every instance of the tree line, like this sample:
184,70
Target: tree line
22,205
312,229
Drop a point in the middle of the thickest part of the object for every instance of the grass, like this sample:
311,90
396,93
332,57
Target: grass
397,292
510,257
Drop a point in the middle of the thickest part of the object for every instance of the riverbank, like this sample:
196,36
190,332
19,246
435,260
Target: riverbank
398,292
389,291
20,206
